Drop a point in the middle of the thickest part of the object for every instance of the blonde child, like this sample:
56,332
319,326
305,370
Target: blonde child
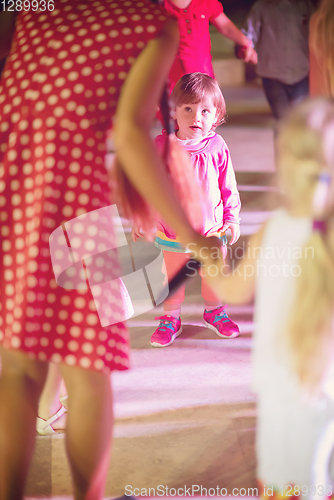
292,259
199,109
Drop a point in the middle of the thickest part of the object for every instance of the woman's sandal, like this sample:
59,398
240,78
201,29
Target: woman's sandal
44,427
63,400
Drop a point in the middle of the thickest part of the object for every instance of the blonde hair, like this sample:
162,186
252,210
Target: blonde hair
193,87
307,139
322,39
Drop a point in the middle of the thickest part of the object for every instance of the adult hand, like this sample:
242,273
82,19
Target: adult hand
205,248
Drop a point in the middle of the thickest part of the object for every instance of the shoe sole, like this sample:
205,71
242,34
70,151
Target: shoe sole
176,334
217,332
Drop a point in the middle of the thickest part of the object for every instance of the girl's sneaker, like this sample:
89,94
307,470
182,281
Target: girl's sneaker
167,331
220,323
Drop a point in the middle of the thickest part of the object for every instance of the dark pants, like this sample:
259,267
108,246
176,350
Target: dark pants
282,96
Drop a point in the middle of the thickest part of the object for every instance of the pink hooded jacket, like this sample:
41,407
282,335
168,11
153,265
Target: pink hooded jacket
213,168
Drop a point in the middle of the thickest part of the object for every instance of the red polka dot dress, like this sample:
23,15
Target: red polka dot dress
58,94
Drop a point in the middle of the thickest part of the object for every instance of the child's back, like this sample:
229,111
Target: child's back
292,428
283,241
293,353
289,265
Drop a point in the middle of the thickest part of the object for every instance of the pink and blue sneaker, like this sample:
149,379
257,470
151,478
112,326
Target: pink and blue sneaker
218,321
167,331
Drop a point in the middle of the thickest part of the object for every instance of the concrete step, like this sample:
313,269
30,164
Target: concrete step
229,72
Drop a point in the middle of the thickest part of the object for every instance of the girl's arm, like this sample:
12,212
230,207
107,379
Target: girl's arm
135,113
227,28
238,286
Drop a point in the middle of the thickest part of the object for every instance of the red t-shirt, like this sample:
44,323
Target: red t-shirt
195,44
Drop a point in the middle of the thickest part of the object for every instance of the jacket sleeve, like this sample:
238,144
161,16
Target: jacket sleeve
228,189
215,8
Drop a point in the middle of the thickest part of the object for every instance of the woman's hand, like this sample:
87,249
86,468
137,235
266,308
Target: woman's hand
235,285
204,249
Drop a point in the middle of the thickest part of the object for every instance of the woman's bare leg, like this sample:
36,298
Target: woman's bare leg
89,430
89,425
49,402
21,383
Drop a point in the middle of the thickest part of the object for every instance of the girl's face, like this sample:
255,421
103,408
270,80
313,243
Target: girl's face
195,120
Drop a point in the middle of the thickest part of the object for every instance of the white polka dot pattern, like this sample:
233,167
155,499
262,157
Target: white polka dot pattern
58,94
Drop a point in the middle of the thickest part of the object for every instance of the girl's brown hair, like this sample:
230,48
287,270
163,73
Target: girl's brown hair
322,41
194,87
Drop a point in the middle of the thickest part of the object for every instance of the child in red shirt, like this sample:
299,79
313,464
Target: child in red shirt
194,53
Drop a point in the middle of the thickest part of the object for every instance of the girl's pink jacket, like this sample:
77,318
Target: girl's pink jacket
213,168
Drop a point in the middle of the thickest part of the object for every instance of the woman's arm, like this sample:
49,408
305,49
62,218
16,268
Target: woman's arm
235,287
135,113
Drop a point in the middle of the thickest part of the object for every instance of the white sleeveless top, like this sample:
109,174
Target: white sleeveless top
295,434
277,268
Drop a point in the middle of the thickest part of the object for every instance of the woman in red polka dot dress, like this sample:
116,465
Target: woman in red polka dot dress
58,93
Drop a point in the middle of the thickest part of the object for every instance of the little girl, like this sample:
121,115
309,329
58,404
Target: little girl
199,108
193,17
291,264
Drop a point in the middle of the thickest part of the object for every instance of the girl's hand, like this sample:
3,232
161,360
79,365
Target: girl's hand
235,231
248,54
136,233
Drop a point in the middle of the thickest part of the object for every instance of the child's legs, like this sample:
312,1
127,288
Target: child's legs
210,298
277,96
89,430
299,91
174,261
21,383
